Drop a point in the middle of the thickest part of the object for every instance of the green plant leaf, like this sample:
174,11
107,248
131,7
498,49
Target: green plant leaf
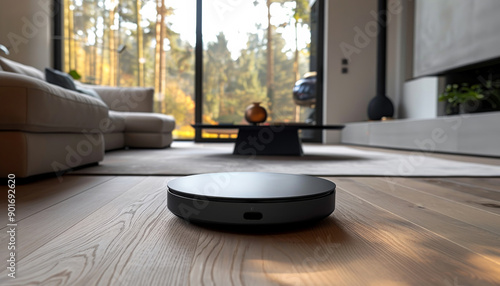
74,74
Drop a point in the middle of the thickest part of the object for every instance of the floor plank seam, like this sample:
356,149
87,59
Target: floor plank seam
443,198
85,190
421,227
81,219
84,217
470,185
472,190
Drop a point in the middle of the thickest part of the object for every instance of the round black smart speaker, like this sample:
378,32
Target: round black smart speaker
251,198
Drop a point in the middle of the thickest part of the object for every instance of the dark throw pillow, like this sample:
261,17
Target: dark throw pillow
59,78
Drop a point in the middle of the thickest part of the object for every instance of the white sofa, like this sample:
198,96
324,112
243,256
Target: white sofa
45,128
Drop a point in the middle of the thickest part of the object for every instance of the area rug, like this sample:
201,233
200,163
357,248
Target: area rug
185,158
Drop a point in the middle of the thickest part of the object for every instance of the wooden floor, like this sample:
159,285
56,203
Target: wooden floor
103,230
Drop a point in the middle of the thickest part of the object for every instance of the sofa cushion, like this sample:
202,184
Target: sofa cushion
142,122
117,122
126,99
15,67
113,141
148,140
33,105
26,153
59,78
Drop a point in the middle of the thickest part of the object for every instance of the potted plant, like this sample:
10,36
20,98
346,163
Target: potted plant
491,94
462,98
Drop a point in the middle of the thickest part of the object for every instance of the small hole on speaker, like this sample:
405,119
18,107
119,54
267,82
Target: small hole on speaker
252,216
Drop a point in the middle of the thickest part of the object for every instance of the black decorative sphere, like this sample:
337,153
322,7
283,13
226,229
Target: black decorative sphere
380,106
304,91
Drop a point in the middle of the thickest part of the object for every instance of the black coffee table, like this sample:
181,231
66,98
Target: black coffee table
272,139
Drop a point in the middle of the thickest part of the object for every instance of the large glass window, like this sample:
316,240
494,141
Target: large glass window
136,43
253,51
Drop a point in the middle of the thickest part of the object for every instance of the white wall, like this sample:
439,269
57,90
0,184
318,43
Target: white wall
420,99
25,29
348,26
455,33
347,95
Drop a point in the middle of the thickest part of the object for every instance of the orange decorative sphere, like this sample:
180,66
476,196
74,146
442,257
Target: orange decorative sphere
255,113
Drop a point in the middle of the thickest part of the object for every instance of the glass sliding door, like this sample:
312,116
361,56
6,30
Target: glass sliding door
136,43
254,51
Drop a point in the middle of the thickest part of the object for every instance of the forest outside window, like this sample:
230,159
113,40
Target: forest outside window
253,51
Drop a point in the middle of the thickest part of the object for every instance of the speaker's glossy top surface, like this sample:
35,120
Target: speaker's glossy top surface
250,185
